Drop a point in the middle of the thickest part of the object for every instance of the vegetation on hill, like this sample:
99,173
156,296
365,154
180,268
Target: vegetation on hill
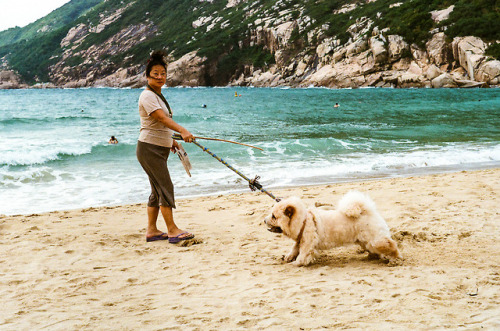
31,50
479,18
53,21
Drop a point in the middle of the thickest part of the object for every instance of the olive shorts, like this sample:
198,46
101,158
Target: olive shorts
153,159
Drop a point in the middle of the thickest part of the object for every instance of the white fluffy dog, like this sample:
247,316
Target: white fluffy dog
355,220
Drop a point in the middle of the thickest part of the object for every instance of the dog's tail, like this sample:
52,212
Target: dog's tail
355,203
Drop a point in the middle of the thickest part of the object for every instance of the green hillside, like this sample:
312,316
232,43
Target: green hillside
53,21
31,53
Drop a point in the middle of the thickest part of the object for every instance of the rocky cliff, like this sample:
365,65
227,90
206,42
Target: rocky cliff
285,48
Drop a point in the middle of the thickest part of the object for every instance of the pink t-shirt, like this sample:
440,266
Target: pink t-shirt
152,131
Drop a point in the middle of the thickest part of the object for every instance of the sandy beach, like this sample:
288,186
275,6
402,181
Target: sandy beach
92,268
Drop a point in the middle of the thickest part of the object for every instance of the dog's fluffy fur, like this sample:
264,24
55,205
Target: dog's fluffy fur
355,220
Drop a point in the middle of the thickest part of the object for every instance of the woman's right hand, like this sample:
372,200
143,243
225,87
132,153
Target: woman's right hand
187,136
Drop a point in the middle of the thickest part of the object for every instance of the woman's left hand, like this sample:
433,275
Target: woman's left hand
175,146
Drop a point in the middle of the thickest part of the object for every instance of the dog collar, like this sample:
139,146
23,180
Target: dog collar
299,237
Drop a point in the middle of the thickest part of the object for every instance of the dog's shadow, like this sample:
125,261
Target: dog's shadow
344,259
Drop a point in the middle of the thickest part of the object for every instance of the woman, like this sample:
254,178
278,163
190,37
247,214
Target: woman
154,145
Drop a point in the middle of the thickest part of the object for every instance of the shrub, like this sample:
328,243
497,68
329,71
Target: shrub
494,51
480,18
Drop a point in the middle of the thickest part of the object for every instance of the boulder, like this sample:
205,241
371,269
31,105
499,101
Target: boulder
326,47
135,81
8,80
378,49
438,49
373,79
75,35
390,77
358,46
76,84
415,69
339,55
489,72
281,35
366,63
402,65
464,83
189,70
302,66
353,82
396,47
459,74
432,72
350,66
261,79
419,55
469,52
443,80
408,78
125,77
325,76
441,15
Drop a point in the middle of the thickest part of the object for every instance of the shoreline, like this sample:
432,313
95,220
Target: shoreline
250,86
417,172
92,268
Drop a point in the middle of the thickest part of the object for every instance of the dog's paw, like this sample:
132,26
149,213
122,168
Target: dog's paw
289,258
301,263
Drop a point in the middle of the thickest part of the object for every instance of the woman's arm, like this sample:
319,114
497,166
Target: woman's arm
160,116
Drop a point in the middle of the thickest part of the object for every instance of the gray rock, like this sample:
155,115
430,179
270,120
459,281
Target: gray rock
189,70
443,80
432,72
396,47
378,49
438,49
469,52
10,80
489,72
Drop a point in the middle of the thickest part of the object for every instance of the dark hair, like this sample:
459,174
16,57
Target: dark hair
157,57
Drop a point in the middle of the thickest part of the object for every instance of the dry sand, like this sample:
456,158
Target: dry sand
92,269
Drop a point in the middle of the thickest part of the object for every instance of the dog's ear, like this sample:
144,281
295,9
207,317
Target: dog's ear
289,211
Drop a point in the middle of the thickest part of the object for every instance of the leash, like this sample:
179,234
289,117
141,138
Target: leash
253,183
178,137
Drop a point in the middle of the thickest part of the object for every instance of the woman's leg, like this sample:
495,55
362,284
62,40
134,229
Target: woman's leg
172,228
152,230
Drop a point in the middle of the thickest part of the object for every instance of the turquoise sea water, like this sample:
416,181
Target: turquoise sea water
54,156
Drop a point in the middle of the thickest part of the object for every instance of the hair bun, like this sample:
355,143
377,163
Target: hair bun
158,55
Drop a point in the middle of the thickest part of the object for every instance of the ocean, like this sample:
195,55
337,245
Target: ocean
54,151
